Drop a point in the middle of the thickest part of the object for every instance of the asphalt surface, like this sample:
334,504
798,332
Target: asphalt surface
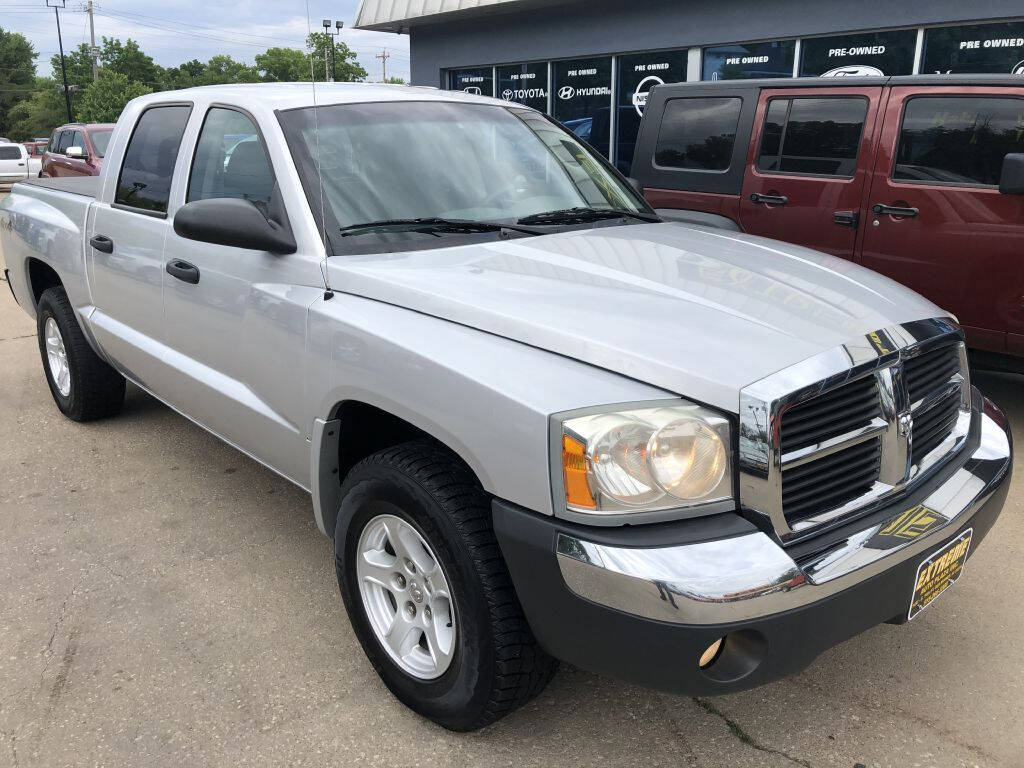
165,601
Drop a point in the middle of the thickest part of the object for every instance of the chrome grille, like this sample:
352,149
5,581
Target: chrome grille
836,435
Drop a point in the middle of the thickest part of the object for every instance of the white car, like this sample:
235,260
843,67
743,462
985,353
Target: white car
13,164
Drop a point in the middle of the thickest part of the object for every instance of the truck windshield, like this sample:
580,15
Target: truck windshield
388,161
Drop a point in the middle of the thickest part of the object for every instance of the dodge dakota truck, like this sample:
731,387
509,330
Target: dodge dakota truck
538,422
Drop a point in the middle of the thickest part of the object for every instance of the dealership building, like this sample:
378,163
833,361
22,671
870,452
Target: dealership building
575,60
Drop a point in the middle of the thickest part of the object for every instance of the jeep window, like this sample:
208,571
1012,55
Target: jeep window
433,159
230,160
698,134
100,140
145,180
958,140
812,136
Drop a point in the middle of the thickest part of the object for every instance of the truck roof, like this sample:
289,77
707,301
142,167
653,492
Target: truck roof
838,82
295,95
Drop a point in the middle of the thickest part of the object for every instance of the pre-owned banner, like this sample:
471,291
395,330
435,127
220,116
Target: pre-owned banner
638,73
871,53
524,84
749,60
582,97
996,48
478,81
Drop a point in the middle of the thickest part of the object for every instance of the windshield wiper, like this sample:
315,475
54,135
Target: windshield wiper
433,225
583,215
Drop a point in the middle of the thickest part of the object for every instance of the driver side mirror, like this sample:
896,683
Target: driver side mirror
233,222
75,152
1011,180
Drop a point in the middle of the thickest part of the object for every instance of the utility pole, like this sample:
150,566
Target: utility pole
334,64
92,43
63,68
383,56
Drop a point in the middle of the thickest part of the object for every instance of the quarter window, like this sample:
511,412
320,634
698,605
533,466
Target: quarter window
698,134
818,137
230,160
958,140
149,159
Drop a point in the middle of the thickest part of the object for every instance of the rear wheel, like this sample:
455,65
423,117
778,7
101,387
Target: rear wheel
428,592
83,386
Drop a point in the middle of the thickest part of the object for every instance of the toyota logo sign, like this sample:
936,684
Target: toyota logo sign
566,92
507,94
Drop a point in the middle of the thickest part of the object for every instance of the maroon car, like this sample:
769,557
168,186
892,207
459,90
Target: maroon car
77,149
920,178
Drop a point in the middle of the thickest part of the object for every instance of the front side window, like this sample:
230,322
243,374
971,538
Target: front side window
469,162
54,144
65,141
957,139
145,181
814,136
230,160
698,134
100,140
77,140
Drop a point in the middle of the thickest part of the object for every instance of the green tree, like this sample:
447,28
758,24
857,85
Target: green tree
224,69
184,75
128,59
103,100
77,63
346,67
394,81
17,74
283,65
39,114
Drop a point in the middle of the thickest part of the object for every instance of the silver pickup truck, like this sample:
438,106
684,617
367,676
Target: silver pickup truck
537,422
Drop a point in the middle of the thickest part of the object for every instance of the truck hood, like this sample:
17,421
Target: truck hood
694,311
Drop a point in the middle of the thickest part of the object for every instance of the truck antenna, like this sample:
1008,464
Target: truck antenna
328,293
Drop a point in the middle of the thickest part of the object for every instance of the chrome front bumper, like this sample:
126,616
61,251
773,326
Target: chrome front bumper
751,576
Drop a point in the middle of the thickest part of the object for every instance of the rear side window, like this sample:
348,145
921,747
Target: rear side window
698,134
814,136
149,159
230,160
54,141
958,139
9,153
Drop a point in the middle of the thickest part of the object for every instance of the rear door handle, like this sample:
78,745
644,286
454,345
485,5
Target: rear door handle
187,273
895,210
757,197
102,243
846,218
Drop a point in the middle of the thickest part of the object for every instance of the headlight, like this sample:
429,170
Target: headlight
645,459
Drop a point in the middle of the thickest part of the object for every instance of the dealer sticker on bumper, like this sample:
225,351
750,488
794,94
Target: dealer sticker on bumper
939,571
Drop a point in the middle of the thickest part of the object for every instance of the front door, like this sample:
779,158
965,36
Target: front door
808,164
936,219
236,318
126,244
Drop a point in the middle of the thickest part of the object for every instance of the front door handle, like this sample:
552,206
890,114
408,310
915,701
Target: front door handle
102,243
757,197
846,219
895,210
187,273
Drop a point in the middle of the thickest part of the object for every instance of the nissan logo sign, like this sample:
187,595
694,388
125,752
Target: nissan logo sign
1019,69
566,92
640,95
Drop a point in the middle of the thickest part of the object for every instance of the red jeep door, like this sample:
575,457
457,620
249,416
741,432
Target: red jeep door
936,220
809,161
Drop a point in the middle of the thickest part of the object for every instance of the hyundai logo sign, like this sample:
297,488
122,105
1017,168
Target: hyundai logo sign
566,92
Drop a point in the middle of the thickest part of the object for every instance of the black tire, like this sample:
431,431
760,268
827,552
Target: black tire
97,390
497,664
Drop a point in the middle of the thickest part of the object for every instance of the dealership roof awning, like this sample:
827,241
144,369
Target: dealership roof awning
397,15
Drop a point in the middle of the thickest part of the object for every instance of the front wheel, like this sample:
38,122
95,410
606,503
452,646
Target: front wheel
428,592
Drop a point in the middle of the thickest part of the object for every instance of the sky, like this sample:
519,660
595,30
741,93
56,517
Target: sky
180,30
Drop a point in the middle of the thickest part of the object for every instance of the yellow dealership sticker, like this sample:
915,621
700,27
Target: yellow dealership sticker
939,572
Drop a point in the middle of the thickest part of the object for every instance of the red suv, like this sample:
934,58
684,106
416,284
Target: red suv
920,178
77,150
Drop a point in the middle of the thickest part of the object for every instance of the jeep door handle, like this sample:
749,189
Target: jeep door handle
102,243
187,273
895,210
757,197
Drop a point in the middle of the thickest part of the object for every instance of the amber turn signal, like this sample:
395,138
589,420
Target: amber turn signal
574,472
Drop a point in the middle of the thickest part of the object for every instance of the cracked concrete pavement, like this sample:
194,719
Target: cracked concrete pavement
166,601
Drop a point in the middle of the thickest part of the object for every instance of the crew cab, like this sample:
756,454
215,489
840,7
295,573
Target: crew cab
538,422
14,164
920,178
76,149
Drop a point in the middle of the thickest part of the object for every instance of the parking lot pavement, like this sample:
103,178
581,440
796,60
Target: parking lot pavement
165,601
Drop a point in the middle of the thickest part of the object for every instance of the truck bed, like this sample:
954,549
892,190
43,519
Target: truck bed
86,186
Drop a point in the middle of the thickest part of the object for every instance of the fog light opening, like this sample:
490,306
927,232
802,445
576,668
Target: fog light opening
711,653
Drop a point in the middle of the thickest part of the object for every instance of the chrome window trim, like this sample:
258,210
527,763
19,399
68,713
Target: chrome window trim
880,354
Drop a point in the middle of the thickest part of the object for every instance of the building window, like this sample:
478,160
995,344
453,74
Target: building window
749,60
812,136
638,74
698,134
525,84
996,48
583,99
958,140
478,81
871,53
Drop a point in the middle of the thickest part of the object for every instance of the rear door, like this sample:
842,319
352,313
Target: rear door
937,221
808,164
